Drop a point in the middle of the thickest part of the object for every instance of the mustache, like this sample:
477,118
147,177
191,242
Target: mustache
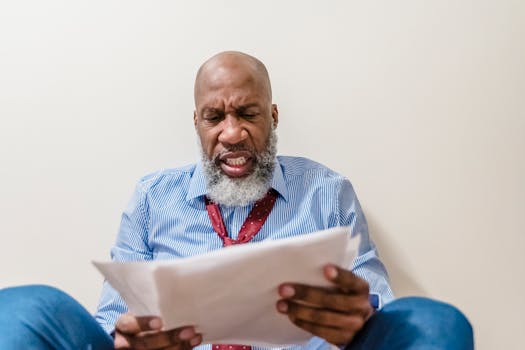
234,148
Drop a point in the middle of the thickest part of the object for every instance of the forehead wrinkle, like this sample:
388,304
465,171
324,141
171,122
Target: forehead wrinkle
235,101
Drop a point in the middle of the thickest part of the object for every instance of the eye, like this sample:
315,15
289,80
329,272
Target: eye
212,116
246,115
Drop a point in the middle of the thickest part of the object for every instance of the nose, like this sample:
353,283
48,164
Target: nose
233,131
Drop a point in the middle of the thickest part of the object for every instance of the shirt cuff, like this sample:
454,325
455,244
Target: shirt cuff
375,301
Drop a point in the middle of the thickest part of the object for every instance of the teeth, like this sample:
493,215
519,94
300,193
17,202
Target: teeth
236,161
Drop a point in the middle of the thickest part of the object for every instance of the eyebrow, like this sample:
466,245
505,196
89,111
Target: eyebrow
247,106
211,109
240,108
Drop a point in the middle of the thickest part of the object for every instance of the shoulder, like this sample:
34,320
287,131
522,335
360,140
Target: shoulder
303,174
301,166
166,177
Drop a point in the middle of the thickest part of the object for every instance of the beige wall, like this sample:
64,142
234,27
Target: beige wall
420,103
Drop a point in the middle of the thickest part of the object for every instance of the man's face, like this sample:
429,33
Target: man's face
233,117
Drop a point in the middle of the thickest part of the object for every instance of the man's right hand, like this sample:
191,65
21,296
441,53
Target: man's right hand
141,333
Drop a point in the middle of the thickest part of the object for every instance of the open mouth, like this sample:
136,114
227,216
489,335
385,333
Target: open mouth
236,164
239,161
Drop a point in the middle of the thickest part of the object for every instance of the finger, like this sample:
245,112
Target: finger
187,345
130,324
195,341
120,342
346,280
158,340
181,346
325,298
326,318
335,336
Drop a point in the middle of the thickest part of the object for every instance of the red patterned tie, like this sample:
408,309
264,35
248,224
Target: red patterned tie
251,226
253,223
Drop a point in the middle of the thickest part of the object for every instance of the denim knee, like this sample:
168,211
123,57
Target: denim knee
44,317
33,298
429,311
437,322
415,323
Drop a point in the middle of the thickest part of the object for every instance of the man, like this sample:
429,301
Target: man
211,204
235,120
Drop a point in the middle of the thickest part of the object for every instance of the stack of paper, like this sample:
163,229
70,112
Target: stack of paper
229,295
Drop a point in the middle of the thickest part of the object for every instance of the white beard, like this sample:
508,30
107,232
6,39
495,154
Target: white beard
228,191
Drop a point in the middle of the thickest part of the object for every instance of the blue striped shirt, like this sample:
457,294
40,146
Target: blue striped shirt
167,219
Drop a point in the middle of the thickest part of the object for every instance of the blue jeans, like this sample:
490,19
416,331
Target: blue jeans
45,318
417,324
41,317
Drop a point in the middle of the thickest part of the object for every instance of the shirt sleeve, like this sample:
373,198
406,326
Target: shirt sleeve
131,245
367,264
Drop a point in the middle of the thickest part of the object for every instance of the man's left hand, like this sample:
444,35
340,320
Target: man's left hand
334,313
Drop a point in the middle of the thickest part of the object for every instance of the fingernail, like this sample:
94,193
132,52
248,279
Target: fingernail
155,323
282,306
287,291
331,272
187,334
195,341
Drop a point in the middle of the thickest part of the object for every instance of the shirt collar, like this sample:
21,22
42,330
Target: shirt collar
197,186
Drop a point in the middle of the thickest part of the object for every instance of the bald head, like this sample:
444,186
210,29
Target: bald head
228,67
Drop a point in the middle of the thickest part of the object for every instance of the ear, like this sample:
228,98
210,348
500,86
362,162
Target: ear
275,115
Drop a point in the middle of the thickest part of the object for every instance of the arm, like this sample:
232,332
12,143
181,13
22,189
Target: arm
367,264
339,312
131,245
132,332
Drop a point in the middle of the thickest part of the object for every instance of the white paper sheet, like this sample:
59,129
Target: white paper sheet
229,295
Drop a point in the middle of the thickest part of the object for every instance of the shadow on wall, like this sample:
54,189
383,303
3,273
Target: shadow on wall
401,281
